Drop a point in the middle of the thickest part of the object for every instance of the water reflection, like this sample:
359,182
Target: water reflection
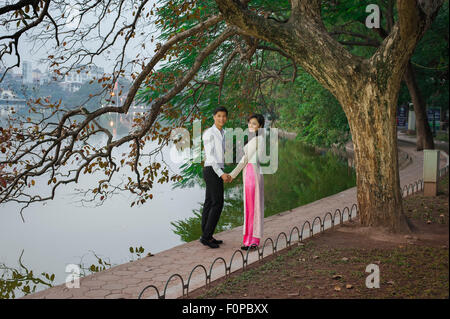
63,230
20,281
303,176
58,232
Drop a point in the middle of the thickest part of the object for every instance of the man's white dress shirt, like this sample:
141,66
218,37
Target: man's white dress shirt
214,142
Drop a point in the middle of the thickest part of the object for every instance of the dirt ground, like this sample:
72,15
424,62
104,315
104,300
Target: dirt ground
333,264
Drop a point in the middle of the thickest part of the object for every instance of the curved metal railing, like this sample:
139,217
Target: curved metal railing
317,221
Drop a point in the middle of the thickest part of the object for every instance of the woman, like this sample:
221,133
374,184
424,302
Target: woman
253,183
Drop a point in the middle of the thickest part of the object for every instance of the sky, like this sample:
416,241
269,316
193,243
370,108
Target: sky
37,52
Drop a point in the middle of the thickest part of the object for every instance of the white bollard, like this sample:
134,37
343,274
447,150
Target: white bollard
411,120
430,172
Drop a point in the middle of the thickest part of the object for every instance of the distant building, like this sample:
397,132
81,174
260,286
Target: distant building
7,95
77,76
15,75
9,100
45,77
37,76
27,72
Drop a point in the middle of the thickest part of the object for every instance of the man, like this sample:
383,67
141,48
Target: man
214,142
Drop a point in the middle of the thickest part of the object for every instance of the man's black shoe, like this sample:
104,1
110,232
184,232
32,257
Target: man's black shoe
209,243
217,241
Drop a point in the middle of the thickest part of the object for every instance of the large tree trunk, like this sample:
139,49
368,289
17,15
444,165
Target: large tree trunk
374,133
366,88
423,130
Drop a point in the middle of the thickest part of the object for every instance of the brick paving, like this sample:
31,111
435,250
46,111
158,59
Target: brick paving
128,280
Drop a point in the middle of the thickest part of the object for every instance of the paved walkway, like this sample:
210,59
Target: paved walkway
128,280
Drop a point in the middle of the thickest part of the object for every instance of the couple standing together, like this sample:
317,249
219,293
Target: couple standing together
253,181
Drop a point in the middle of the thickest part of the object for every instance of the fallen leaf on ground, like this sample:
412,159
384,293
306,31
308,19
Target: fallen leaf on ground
348,286
337,288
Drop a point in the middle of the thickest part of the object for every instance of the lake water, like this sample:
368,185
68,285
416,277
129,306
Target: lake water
65,232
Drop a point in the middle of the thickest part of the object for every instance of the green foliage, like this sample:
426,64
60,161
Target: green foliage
22,280
308,109
303,106
189,229
196,101
138,251
302,177
339,12
430,58
191,173
100,265
430,63
350,16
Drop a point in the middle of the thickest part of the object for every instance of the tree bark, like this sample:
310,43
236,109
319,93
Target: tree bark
372,117
423,130
366,88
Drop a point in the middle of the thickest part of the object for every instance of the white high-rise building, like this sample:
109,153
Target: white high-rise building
77,76
37,76
27,72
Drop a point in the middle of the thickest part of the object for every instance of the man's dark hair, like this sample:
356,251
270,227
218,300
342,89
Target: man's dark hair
221,109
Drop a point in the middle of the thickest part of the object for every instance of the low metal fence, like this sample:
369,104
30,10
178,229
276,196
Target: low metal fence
319,223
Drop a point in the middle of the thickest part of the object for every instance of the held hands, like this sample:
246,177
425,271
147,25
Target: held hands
227,178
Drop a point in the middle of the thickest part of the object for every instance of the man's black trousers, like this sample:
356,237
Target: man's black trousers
212,208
